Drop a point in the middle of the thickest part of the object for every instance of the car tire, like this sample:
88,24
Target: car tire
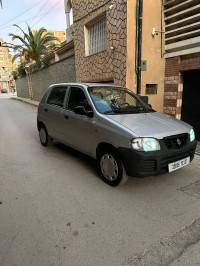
111,167
44,137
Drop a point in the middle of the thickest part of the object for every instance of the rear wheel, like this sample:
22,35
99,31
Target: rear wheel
112,169
44,137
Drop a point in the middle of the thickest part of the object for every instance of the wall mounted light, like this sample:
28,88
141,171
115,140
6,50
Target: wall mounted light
155,32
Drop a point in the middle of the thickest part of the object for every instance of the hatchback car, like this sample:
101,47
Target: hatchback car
114,126
3,91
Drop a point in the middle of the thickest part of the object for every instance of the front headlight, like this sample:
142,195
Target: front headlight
145,144
192,135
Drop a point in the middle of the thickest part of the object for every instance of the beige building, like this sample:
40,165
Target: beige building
61,35
5,69
153,62
12,65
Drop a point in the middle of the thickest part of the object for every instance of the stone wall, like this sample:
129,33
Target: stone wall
110,64
62,71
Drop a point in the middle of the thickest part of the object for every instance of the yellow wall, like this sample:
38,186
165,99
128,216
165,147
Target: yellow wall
151,50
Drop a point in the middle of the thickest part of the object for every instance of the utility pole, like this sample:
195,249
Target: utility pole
139,63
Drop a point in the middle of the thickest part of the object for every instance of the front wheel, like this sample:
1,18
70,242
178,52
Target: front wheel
44,137
112,169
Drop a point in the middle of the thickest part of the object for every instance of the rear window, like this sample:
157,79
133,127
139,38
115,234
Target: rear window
57,96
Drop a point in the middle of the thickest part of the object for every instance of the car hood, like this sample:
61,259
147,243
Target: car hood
157,125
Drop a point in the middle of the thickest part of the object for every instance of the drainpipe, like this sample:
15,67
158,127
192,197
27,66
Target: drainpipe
140,17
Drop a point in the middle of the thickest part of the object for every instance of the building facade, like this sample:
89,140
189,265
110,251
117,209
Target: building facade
61,35
12,64
100,41
182,72
153,61
106,49
5,69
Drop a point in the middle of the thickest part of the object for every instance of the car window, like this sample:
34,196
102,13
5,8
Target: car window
57,96
77,98
111,100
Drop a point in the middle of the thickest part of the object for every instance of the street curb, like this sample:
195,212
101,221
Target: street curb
169,249
197,152
34,103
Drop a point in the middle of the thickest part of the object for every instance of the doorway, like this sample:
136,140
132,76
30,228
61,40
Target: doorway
190,112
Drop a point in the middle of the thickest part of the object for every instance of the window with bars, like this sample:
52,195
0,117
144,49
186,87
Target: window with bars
97,37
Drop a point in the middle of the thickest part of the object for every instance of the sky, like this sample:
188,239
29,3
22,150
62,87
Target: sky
49,14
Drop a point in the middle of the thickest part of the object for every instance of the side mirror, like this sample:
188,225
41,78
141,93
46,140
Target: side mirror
90,114
80,110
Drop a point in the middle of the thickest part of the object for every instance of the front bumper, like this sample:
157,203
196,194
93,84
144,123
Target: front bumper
142,164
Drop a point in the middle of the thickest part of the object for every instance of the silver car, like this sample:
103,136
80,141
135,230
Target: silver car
114,126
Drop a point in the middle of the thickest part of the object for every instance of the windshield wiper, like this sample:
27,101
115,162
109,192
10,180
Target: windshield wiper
112,111
122,111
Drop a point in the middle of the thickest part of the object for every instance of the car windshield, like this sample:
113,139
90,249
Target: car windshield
111,100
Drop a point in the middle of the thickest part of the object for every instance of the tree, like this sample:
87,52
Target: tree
33,47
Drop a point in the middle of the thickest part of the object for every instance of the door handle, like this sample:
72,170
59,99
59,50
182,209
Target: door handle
46,110
66,117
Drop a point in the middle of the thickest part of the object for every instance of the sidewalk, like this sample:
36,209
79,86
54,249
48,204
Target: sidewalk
25,100
191,256
198,148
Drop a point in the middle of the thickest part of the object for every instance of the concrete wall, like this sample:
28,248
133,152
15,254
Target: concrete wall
22,87
151,50
62,71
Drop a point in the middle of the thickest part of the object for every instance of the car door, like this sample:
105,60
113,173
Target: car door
53,111
77,129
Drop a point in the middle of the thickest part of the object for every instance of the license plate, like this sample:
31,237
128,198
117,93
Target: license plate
176,165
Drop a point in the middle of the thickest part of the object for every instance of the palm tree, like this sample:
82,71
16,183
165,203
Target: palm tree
33,47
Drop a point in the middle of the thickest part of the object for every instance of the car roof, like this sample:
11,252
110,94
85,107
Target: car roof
87,84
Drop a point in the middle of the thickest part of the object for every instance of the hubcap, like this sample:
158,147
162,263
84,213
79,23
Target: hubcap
43,135
109,167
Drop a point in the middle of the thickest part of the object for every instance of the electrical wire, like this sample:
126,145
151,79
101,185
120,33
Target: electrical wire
21,13
11,25
39,11
47,12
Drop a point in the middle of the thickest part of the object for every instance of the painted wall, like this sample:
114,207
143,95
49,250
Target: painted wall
151,50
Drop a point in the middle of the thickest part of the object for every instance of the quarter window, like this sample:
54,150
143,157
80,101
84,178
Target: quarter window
57,96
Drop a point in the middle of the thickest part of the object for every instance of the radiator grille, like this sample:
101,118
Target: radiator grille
176,142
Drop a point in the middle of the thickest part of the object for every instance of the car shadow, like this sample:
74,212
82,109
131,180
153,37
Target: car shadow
133,183
81,157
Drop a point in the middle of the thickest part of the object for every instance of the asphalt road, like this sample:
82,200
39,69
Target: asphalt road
55,210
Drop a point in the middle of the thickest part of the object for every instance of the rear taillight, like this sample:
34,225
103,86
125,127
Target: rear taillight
38,106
